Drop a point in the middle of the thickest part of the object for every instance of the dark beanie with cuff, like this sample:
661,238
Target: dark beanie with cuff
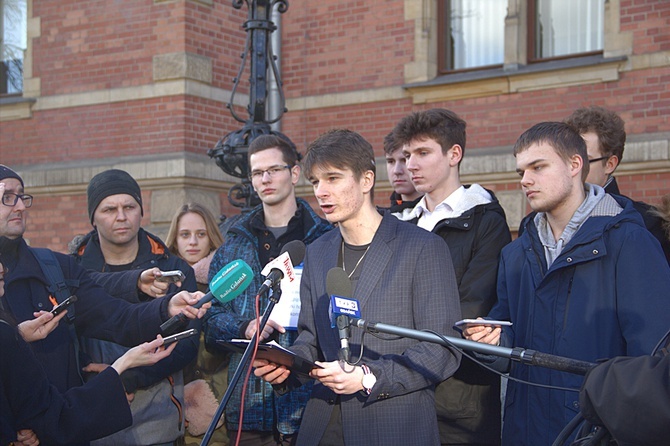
111,182
6,172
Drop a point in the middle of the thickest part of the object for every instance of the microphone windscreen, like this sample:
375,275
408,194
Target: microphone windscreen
338,287
338,283
231,281
296,251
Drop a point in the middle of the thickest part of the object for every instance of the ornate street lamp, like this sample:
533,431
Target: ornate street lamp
230,153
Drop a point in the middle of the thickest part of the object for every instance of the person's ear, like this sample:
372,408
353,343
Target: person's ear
368,180
611,164
455,155
295,174
576,165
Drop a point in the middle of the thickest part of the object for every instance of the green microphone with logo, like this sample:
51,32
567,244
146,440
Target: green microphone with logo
226,285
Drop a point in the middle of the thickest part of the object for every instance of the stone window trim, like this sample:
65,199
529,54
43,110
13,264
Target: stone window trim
422,75
501,80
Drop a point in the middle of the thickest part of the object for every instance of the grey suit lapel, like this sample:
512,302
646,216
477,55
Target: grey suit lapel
328,256
376,261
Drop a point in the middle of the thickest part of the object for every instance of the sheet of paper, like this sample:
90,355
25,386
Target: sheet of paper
287,310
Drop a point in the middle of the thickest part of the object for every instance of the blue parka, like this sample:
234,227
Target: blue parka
263,409
607,294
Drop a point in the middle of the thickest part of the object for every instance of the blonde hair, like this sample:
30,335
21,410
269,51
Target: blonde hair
215,238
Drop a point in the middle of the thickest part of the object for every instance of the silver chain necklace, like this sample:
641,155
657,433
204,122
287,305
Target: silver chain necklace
357,263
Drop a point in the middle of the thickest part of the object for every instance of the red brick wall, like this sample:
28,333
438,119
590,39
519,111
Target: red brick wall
97,45
329,46
54,221
337,45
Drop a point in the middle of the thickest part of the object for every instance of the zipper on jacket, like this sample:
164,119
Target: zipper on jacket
567,301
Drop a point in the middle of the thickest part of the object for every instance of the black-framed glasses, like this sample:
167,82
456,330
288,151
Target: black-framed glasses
271,171
9,199
598,159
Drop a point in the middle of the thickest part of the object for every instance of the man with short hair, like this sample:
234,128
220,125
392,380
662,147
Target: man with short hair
472,222
28,293
258,237
586,281
605,136
404,195
401,275
119,243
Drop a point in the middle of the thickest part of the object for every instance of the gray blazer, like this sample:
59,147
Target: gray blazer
407,280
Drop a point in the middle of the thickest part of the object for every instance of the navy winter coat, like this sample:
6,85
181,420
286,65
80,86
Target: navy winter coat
607,294
98,314
29,401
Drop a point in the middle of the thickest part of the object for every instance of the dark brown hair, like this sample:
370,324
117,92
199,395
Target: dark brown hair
562,137
606,124
439,124
341,149
285,145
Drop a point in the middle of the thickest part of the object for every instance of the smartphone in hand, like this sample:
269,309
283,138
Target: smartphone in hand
482,322
171,276
177,336
58,309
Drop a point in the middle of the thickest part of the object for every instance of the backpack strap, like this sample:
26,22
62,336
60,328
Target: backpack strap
59,289
54,274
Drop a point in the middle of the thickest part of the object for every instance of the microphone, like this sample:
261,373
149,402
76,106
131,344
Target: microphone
226,285
292,254
341,307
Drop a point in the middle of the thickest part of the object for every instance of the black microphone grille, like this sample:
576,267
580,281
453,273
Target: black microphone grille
338,283
296,250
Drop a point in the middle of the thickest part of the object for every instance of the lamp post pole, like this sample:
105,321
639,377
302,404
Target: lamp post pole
230,152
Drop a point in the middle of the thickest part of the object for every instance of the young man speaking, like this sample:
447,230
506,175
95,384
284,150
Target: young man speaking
401,275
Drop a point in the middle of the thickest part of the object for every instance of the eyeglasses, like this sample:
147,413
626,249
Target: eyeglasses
598,159
11,199
272,171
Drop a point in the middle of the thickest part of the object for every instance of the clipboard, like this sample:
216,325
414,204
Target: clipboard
273,352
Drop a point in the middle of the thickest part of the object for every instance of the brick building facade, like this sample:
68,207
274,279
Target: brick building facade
142,85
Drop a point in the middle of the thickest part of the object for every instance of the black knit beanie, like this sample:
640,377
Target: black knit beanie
111,182
6,172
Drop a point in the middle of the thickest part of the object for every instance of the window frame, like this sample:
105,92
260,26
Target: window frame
532,39
444,51
23,51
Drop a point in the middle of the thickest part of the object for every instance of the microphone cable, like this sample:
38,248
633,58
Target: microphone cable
502,375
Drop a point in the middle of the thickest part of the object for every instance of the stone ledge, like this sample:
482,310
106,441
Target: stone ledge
537,76
150,91
152,172
13,108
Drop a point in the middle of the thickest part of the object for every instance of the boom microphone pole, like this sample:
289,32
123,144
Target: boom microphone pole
339,288
518,354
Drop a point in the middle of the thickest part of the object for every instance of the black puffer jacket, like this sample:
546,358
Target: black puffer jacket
468,404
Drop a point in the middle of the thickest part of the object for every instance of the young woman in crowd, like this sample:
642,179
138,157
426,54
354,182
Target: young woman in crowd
33,411
194,236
